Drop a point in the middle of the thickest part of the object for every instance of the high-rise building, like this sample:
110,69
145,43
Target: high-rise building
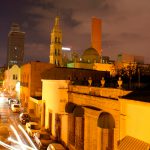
56,44
15,52
96,35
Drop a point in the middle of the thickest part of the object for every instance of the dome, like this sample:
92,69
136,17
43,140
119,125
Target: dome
91,55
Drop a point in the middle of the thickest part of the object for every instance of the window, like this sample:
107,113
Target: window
55,39
14,77
55,52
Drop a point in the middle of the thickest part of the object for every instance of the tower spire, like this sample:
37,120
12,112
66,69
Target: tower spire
57,21
96,34
56,44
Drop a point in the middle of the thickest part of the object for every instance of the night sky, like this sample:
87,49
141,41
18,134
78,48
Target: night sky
125,27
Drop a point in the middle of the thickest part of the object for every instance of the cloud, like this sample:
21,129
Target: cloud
35,51
125,24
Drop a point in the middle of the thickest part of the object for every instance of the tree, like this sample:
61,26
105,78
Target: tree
128,72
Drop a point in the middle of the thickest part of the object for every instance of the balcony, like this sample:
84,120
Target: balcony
113,93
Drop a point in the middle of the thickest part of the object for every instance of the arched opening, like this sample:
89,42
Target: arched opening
76,125
107,124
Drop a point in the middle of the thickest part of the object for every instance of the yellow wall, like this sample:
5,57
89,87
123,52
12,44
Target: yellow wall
54,93
134,120
31,81
25,78
105,67
9,82
80,65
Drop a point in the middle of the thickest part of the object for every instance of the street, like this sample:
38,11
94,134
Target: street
11,120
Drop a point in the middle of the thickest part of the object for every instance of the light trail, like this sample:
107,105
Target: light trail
19,142
27,136
7,146
17,136
16,142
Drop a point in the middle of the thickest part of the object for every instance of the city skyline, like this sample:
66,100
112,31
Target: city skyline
125,26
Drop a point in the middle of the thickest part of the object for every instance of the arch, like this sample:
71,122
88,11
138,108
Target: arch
107,124
78,111
106,121
69,107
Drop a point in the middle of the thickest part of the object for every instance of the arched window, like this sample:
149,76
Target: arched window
76,125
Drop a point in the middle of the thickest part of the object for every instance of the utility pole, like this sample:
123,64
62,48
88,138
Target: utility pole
139,78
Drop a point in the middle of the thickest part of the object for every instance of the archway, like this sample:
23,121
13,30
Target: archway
107,124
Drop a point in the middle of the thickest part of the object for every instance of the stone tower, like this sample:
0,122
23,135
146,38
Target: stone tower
96,35
56,44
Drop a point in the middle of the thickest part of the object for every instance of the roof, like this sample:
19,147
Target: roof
130,143
63,73
91,55
90,51
57,146
32,123
142,94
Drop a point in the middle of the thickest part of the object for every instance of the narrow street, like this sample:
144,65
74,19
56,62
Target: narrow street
8,118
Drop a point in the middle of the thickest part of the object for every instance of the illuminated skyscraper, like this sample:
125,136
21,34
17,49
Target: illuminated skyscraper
56,44
96,35
15,51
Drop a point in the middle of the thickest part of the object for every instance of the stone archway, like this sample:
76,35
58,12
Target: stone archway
107,124
75,125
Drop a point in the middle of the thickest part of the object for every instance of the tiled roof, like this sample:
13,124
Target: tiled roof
130,143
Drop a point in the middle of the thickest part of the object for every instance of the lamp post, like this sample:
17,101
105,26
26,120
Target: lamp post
90,81
102,82
18,90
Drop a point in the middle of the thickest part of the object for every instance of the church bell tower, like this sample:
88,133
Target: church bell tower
56,44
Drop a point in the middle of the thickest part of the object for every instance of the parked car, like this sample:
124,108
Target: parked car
24,118
12,101
42,139
15,107
55,146
32,127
